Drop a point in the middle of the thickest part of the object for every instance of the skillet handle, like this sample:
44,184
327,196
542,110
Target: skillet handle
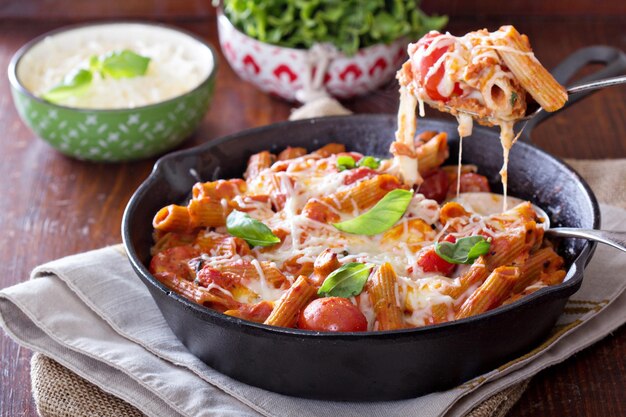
615,64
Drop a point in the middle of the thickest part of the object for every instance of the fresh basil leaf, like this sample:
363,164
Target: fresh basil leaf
513,98
74,84
120,64
239,224
345,162
381,217
346,281
464,251
369,162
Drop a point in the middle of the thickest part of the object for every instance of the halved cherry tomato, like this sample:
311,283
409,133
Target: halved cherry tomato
432,81
450,239
332,314
435,186
429,261
357,174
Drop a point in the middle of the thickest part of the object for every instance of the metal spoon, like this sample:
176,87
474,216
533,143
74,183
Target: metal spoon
596,85
491,203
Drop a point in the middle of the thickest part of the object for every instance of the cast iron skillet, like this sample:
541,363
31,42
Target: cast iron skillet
368,366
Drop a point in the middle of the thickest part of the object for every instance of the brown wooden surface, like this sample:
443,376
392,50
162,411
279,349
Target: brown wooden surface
194,9
54,206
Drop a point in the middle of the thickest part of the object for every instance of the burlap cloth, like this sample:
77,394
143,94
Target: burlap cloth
58,392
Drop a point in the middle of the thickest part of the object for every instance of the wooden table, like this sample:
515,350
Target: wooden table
53,206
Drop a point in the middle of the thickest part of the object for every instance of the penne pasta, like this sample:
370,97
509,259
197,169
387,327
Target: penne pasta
287,308
330,149
535,79
172,218
197,294
207,212
506,250
325,263
291,153
364,194
492,293
432,153
382,290
474,276
257,163
543,261
219,189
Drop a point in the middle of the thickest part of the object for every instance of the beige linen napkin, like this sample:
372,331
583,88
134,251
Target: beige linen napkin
90,313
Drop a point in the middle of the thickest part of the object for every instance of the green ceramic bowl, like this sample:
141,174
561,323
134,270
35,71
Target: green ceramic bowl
121,134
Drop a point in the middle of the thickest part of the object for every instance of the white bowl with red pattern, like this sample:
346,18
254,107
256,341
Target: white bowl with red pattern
278,70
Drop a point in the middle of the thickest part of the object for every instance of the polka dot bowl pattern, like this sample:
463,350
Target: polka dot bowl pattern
279,70
114,135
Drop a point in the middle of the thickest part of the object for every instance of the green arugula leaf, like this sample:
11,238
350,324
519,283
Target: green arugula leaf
347,24
239,224
464,251
381,217
120,64
346,281
75,83
345,162
369,162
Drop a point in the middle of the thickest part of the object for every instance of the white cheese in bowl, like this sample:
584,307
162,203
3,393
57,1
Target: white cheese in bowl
178,64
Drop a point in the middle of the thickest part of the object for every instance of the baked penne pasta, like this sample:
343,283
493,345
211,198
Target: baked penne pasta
172,218
287,308
514,49
397,277
496,288
382,291
334,239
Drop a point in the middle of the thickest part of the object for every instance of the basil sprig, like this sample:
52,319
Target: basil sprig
381,217
464,251
74,83
346,281
117,64
239,224
120,64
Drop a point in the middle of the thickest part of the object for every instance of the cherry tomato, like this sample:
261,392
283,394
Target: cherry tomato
332,314
450,239
431,82
431,262
471,182
357,174
435,186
